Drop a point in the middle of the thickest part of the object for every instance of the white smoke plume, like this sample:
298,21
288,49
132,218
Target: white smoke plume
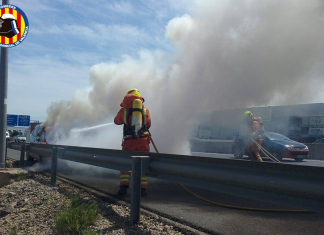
40,166
227,54
178,28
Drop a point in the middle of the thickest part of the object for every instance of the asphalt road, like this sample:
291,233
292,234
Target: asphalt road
171,200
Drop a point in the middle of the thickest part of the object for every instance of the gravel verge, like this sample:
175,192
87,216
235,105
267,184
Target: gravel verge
29,206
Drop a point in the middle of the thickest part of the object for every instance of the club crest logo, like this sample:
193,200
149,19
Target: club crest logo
13,26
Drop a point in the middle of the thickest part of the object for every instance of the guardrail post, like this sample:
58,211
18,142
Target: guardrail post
22,156
136,189
27,149
54,165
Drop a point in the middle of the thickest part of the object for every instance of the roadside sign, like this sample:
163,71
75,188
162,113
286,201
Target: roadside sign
23,120
12,120
316,132
18,120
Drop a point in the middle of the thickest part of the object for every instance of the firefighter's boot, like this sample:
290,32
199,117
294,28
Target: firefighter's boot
122,190
143,192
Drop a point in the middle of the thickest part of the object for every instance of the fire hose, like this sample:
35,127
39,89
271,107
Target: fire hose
266,153
240,207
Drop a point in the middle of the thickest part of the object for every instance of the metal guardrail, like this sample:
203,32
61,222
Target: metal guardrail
290,185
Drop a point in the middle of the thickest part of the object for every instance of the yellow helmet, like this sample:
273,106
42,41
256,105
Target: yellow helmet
134,91
248,114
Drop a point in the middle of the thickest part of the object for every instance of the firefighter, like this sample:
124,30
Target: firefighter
255,127
136,120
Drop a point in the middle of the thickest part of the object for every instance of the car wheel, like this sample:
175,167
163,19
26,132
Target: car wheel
277,154
237,152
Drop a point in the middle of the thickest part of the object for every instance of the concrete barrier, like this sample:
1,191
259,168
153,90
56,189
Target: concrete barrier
211,146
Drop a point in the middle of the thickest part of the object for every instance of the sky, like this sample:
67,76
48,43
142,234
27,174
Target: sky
66,38
187,57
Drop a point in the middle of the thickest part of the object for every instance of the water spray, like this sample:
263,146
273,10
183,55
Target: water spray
90,128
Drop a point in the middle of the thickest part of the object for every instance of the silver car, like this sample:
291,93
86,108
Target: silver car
20,138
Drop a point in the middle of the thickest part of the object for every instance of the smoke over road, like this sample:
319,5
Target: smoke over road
227,54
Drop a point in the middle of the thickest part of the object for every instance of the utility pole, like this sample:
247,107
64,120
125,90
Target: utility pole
3,100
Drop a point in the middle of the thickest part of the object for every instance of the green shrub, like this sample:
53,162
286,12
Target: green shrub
77,218
89,232
21,176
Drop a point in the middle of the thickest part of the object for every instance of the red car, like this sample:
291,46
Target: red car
278,145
